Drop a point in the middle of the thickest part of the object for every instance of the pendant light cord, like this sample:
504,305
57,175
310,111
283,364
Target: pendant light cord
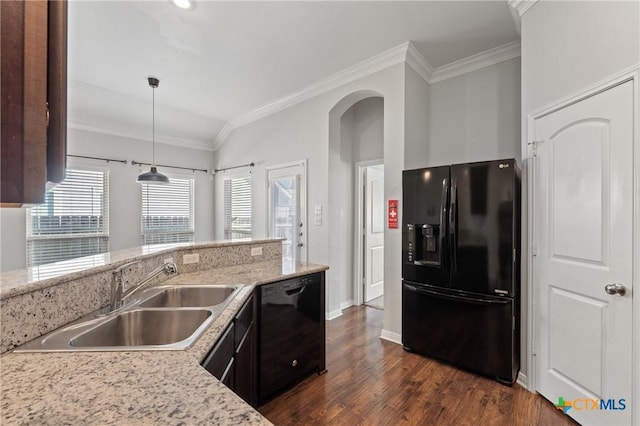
153,128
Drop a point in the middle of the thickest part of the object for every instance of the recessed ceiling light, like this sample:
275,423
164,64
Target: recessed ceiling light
183,4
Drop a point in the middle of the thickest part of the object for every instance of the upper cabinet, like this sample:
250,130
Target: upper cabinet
33,45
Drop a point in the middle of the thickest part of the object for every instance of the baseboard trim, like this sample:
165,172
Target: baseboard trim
347,304
333,314
391,336
523,381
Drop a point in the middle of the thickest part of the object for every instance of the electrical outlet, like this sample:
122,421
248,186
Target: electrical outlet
256,251
190,258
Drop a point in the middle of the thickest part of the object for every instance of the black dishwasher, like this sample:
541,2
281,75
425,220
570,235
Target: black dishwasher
291,333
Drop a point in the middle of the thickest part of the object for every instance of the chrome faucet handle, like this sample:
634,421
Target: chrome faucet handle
117,285
117,275
171,268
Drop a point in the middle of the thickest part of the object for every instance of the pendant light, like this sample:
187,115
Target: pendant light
152,176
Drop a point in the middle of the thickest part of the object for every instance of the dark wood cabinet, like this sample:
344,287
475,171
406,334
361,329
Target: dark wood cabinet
33,92
233,359
220,359
246,379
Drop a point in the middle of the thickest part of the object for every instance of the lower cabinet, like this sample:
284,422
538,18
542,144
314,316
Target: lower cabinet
245,356
233,359
276,339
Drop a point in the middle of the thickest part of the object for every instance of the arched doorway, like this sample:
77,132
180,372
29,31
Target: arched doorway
356,140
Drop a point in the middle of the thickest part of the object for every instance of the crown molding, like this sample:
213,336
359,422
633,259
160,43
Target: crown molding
406,52
97,127
223,134
475,62
521,6
393,56
419,63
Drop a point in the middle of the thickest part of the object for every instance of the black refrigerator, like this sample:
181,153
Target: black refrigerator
461,265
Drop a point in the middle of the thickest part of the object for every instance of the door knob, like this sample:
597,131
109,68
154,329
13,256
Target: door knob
615,289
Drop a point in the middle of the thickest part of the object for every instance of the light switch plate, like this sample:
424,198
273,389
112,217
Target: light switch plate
256,251
190,258
318,221
318,210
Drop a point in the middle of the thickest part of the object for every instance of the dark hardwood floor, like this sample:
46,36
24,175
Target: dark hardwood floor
374,382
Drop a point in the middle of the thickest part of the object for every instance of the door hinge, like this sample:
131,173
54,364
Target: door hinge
534,249
534,148
514,255
533,348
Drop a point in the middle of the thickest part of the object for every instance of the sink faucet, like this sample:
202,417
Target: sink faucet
118,279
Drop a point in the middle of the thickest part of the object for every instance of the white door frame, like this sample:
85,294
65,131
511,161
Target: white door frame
630,74
304,252
358,290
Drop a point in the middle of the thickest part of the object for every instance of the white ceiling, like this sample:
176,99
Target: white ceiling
222,60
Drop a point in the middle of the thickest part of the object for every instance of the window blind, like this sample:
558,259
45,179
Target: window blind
167,212
72,222
237,207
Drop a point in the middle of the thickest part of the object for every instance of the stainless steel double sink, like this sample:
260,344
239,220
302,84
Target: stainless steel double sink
160,318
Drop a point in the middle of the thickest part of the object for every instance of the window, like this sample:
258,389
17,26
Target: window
167,212
237,207
72,222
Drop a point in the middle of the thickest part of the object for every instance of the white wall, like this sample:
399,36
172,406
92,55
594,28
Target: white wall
476,116
13,247
124,194
416,125
567,46
303,131
367,132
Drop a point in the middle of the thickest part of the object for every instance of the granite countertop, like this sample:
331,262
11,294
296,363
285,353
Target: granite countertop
21,281
154,387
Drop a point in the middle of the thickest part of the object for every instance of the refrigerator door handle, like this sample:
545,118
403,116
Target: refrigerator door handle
466,299
443,215
453,219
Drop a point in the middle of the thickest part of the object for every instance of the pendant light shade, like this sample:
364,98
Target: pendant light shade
152,176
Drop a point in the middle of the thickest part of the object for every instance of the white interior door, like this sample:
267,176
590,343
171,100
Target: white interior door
374,233
583,224
287,213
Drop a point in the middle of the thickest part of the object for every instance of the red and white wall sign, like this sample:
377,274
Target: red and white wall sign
393,214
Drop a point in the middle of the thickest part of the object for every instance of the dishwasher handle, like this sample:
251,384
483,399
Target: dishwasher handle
298,290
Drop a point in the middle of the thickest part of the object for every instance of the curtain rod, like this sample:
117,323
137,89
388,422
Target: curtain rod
108,160
134,163
234,167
